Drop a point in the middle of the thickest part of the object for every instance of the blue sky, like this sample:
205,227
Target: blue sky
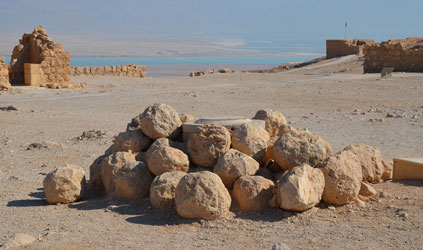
229,21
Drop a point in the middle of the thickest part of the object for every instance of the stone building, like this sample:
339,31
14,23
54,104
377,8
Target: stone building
38,61
4,75
404,55
337,48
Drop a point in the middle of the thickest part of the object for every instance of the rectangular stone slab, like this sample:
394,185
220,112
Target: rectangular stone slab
408,168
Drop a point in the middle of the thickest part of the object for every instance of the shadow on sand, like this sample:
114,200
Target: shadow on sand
415,183
40,201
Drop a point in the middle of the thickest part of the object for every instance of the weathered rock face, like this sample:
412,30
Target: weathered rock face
127,70
202,195
252,193
186,118
275,122
234,164
251,139
4,75
301,188
388,170
95,174
159,143
131,141
370,161
64,185
343,177
160,121
367,190
166,159
111,165
268,156
298,147
38,48
207,144
133,181
162,191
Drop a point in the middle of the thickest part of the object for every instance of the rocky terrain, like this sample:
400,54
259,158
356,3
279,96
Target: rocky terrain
46,129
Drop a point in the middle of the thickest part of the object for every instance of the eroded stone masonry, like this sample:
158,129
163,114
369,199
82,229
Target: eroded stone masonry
337,48
128,70
404,55
38,61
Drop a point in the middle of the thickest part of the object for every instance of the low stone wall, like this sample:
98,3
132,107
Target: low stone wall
4,75
128,70
336,48
404,55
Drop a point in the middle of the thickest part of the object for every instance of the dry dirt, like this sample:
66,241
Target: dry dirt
332,99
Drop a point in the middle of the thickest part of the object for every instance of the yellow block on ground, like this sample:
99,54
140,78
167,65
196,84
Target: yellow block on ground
408,168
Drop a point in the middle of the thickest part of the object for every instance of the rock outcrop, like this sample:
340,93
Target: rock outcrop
202,195
298,147
65,184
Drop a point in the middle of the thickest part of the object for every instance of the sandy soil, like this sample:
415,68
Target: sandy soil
332,99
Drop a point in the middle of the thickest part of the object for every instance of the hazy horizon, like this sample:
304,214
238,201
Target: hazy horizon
204,28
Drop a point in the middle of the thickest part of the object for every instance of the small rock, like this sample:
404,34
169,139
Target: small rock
253,193
280,246
367,190
133,181
251,139
162,191
9,108
160,121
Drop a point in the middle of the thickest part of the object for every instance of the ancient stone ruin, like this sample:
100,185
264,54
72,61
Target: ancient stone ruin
404,55
38,61
4,75
207,168
337,48
127,70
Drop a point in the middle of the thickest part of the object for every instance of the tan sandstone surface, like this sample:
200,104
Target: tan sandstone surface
331,98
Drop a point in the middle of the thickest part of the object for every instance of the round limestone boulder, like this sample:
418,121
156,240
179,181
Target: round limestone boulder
133,181
65,184
202,195
370,160
275,122
251,139
166,159
234,164
131,141
161,142
95,174
343,177
162,191
111,165
298,147
301,188
207,144
253,193
160,121
186,118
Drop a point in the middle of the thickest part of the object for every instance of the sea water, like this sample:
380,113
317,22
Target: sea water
247,60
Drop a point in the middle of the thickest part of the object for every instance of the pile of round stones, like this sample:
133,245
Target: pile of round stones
206,167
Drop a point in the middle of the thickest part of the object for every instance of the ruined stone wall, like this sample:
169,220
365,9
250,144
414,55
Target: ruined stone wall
128,70
404,55
38,48
4,75
336,48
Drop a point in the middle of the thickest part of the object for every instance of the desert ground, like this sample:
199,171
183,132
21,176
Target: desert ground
332,98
